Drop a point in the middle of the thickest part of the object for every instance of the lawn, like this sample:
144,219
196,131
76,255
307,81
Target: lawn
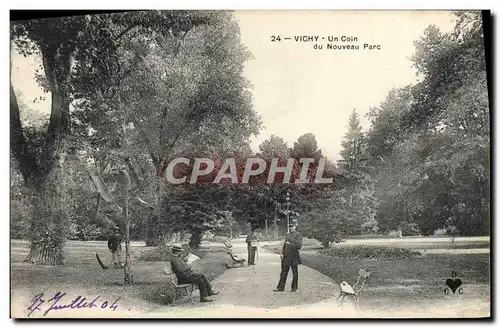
81,275
408,286
409,280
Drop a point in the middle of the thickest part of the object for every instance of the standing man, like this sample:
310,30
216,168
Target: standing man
290,257
115,246
185,275
252,241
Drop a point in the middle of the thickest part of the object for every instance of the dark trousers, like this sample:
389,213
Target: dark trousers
201,281
204,286
251,255
284,275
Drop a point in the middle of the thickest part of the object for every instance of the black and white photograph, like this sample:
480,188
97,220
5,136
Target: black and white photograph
250,164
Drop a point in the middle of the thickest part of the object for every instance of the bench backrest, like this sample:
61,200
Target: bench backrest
363,275
230,252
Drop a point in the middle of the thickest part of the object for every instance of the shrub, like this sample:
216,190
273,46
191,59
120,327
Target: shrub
410,229
274,248
216,239
440,232
270,237
91,232
160,253
395,233
370,252
452,231
207,235
163,253
311,243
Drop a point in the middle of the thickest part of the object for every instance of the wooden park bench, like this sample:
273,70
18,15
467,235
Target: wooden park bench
178,288
235,261
354,291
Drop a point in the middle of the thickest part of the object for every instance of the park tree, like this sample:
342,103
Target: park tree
391,154
265,199
314,202
197,98
328,220
274,147
429,142
458,134
196,209
348,205
358,184
306,146
79,58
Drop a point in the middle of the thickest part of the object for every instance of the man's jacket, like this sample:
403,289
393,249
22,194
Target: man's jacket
291,247
252,237
183,271
114,242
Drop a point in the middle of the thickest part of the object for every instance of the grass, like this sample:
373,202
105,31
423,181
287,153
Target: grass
82,275
370,252
406,282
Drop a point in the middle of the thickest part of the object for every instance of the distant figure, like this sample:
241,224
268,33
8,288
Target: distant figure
252,241
186,275
290,258
115,247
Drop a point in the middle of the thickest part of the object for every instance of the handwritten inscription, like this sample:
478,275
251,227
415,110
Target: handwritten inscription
57,302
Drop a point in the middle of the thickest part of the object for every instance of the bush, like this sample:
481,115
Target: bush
91,232
163,253
370,252
440,232
274,248
410,229
207,235
452,231
308,242
159,253
270,237
395,233
216,239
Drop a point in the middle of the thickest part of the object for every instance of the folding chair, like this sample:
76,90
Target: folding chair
354,291
187,288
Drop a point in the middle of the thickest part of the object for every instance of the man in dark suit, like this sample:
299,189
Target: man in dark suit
290,258
185,275
115,247
252,241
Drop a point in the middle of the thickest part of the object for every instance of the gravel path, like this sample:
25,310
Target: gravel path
248,293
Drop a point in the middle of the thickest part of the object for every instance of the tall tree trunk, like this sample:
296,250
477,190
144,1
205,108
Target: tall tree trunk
195,240
44,253
155,235
18,144
127,269
47,233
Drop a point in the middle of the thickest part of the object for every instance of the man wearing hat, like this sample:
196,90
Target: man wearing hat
290,258
252,241
115,246
185,275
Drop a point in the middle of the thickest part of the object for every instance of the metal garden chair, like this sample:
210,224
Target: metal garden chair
354,291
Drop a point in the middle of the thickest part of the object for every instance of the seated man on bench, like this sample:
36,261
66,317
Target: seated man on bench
185,275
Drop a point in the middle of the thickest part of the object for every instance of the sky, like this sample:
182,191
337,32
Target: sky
298,89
